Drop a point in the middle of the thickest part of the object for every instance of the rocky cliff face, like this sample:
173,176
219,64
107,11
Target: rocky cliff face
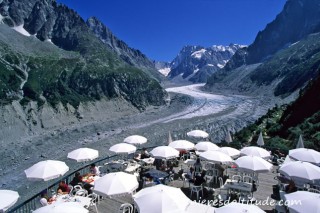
132,56
283,57
93,71
196,63
298,19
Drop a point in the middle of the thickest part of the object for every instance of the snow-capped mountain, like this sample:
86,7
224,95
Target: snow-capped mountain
197,63
163,67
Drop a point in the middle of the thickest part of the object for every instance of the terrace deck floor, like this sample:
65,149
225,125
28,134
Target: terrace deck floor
263,193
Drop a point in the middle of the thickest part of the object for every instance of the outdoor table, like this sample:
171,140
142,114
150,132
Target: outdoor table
132,168
190,162
115,166
241,186
148,161
157,174
90,179
83,201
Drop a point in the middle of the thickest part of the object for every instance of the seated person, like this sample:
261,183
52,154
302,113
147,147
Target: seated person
88,187
190,173
94,170
197,166
45,200
77,180
63,188
199,179
137,157
163,166
157,163
291,187
220,169
170,170
144,153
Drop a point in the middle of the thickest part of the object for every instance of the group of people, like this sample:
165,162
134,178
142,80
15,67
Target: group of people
64,188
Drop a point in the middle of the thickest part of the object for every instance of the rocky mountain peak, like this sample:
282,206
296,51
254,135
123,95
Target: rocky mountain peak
298,19
197,63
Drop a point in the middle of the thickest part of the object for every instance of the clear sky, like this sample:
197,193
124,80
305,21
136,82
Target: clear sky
160,28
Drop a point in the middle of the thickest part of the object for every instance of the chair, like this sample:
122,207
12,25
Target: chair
169,179
247,179
220,182
193,156
71,190
215,175
126,208
76,188
316,187
82,192
185,179
197,190
314,190
237,178
93,202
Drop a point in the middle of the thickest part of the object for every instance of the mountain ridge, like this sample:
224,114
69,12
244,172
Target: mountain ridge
279,60
106,74
195,63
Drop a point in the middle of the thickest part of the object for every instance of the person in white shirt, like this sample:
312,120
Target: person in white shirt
94,170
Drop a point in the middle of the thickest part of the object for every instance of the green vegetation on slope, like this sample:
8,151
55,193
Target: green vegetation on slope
293,66
282,126
90,72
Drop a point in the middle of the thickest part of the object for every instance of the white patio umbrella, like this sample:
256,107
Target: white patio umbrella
239,208
307,155
206,146
301,170
255,151
46,170
300,143
199,207
123,148
253,164
116,184
164,152
83,154
181,145
260,141
7,199
215,156
64,207
228,138
232,152
135,139
161,199
198,134
303,201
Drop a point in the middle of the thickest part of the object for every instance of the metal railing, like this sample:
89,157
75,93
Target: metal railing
33,203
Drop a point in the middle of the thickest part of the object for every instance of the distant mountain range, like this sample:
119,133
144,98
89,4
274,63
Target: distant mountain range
87,62
196,63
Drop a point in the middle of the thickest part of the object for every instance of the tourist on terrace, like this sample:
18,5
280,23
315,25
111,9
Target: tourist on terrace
199,179
291,187
45,200
197,167
77,180
94,170
144,153
63,188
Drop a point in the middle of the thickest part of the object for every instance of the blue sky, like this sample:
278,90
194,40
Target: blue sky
160,28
